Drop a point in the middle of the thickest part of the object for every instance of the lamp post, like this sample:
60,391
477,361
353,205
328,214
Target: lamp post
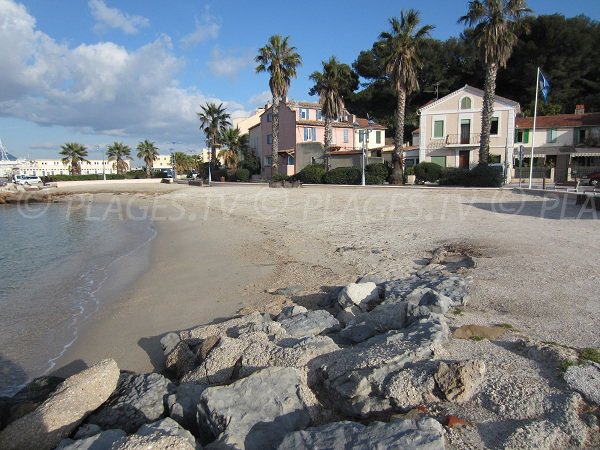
103,163
365,144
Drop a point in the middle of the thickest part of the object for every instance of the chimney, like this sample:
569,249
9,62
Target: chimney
579,109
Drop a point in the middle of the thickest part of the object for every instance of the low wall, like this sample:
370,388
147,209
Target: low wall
107,182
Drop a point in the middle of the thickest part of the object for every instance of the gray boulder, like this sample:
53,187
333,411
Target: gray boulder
355,378
139,399
183,405
310,323
585,379
347,315
230,328
64,410
358,294
412,386
153,441
423,434
166,427
382,318
459,381
255,412
456,288
180,360
290,311
169,341
100,441
429,298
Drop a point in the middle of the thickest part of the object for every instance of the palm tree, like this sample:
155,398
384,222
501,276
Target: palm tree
328,84
74,154
148,152
281,61
495,23
119,153
213,122
233,140
399,50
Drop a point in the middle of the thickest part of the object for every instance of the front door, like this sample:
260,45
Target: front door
463,159
465,131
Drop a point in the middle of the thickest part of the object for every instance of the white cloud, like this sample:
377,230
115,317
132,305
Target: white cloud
261,99
205,29
229,65
107,17
100,88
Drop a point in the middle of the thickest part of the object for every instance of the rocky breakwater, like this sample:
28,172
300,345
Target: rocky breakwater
377,367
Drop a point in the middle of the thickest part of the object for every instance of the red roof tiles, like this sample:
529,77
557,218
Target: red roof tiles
561,121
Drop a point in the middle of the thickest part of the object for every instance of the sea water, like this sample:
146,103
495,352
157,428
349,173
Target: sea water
55,263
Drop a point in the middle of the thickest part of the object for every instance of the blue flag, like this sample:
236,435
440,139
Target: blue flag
544,86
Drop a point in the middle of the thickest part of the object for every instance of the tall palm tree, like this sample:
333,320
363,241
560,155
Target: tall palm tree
213,122
119,153
74,154
399,50
495,23
232,139
329,86
148,152
281,61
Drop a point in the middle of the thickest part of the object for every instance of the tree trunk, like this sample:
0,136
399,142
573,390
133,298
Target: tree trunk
327,142
275,137
487,111
148,169
397,166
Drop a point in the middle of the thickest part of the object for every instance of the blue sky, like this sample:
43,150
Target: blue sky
99,71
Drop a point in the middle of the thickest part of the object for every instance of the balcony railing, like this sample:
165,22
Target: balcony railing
463,139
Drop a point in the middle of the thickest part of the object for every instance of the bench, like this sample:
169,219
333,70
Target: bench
568,185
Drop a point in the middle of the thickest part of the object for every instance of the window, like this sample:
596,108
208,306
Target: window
551,135
494,128
494,159
378,137
269,117
346,136
319,115
465,103
290,160
439,160
361,133
269,138
438,128
522,136
303,112
310,134
580,136
268,160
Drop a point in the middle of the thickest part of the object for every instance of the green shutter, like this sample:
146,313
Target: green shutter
438,128
439,160
526,136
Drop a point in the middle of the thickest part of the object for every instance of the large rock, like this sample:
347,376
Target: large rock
256,321
255,412
424,434
382,318
153,441
412,386
459,381
139,399
454,287
355,378
64,410
431,299
585,379
358,294
103,440
183,405
167,427
310,323
290,311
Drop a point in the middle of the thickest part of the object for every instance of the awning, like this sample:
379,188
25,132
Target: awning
586,154
287,152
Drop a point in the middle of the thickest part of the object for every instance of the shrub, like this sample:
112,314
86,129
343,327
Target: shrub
252,164
216,174
311,174
378,170
409,170
242,175
343,175
373,179
485,176
427,171
279,177
455,177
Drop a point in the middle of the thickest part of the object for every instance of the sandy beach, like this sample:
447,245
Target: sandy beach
219,250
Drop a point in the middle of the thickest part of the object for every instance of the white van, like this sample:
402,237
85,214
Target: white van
27,180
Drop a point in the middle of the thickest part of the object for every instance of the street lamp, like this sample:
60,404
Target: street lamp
365,144
103,163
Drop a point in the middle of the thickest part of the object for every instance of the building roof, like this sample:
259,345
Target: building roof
364,123
561,121
474,91
321,123
303,104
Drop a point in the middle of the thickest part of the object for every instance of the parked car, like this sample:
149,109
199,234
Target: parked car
167,173
28,180
591,179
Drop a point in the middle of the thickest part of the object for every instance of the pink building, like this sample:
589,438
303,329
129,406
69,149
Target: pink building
302,135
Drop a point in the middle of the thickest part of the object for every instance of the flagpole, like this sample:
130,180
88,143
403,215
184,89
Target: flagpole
537,88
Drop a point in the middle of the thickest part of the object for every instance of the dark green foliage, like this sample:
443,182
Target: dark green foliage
409,170
112,176
311,174
242,175
279,177
590,354
455,177
427,171
343,175
378,170
218,173
252,164
485,176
